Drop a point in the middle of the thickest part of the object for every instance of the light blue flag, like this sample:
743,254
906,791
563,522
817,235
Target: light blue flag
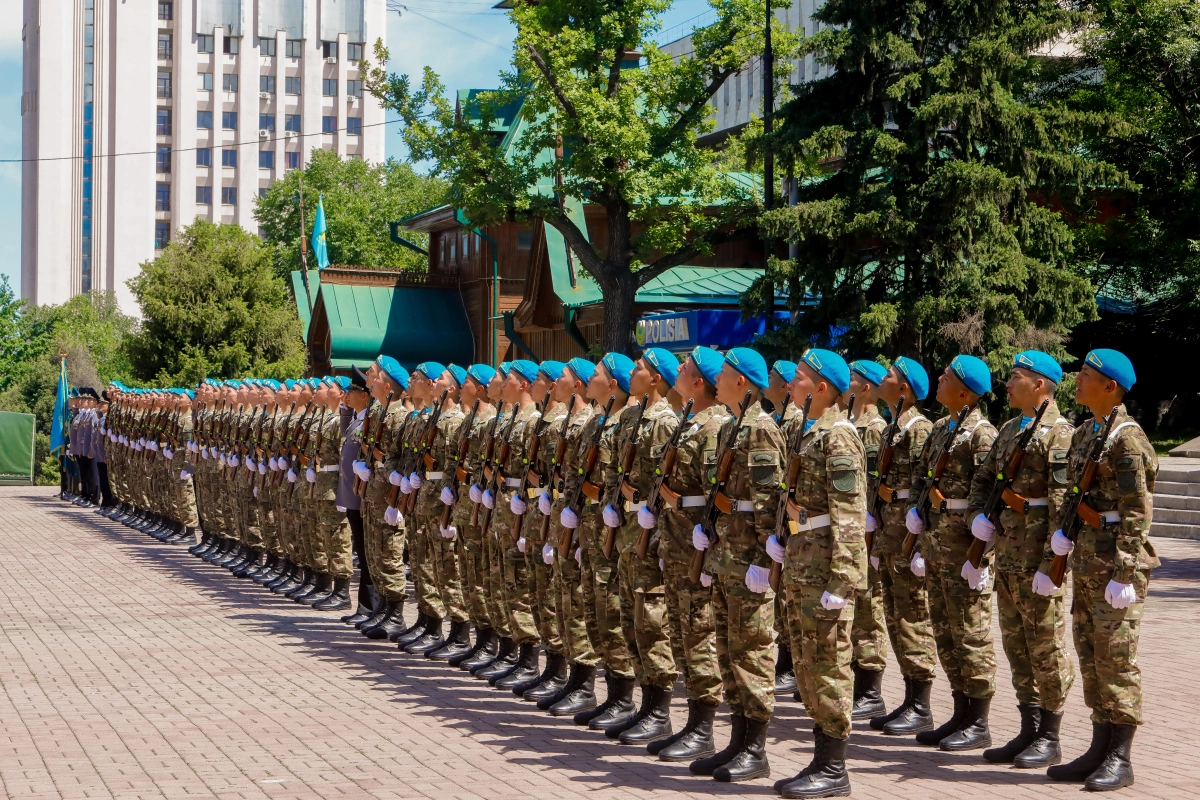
60,420
320,250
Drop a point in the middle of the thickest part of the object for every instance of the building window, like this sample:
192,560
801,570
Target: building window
164,47
328,124
266,83
354,88
291,160
162,160
162,234
266,122
267,47
230,45
228,157
262,192
291,85
354,126
229,120
229,195
229,82
354,51
329,87
266,159
291,122
166,10
204,119
203,156
204,44
329,49
204,195
293,48
162,197
163,125
204,81
524,239
164,84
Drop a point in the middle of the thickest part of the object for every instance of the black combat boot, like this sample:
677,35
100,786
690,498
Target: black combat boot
322,592
1044,750
614,731
658,745
932,737
458,642
868,700
655,724
551,681
219,548
431,639
506,659
911,717
582,697
535,678
818,749
368,601
618,708
750,761
695,741
525,669
231,555
270,572
377,618
1081,768
307,580
973,733
410,634
391,622
1030,717
254,559
487,643
737,737
785,672
286,580
202,545
1116,771
826,776
338,599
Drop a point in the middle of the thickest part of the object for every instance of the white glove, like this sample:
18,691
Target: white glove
170,454
262,468
291,476
1120,595
448,532
521,544
274,463
545,504
758,579
831,602
875,562
699,538
662,565
568,519
1060,544
517,506
975,578
547,554
612,518
142,441
913,521
775,550
705,580
362,471
391,516
310,475
647,518
476,494
152,445
341,509
917,565
982,528
447,496
204,453
183,476
1043,585
394,478
871,524
234,461
250,465
579,556
489,499
191,446
415,480
222,460
405,486
256,491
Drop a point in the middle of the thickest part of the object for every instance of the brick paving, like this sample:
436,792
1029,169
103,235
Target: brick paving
130,669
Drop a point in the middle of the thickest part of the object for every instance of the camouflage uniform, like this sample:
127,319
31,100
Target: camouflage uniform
184,490
469,542
543,575
332,550
868,634
1032,628
494,547
442,557
424,574
1106,638
517,591
383,544
961,616
573,602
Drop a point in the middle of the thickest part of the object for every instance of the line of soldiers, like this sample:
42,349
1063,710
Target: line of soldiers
749,528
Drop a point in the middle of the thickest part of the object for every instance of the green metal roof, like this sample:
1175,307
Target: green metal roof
304,300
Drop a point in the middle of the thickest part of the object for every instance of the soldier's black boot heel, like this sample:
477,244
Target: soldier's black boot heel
737,737
1031,717
1081,768
973,733
868,700
1116,771
750,761
933,737
694,742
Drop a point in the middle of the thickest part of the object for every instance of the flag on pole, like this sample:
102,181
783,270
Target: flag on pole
320,251
60,421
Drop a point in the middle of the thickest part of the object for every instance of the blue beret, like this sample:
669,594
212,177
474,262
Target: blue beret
505,366
460,374
431,369
830,366
664,362
973,372
552,369
482,373
1114,365
191,394
396,373
620,367
708,361
342,381
583,369
915,374
526,369
873,371
1039,362
290,383
786,370
274,384
749,363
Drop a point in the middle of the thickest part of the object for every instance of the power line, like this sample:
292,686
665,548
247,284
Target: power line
400,7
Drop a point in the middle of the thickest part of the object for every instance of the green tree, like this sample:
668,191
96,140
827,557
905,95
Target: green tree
212,306
621,138
360,200
925,163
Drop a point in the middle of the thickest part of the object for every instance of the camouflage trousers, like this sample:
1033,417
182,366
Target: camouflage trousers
692,632
906,610
383,549
312,545
822,652
494,592
472,564
268,522
518,592
545,589
644,619
185,503
605,584
335,540
962,629
1106,640
1033,630
745,639
573,605
869,634
248,505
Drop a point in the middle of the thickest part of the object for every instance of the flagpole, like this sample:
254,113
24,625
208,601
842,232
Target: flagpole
304,241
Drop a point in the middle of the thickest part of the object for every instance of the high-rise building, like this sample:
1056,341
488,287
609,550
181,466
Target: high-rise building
139,117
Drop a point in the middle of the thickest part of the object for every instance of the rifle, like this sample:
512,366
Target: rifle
489,448
589,463
654,499
624,465
277,443
930,482
787,398
878,492
1002,489
788,489
460,454
717,501
421,457
290,450
501,455
302,443
530,460
226,439
366,447
312,487
553,478
1075,512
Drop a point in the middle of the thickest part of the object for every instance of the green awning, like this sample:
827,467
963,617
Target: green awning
305,302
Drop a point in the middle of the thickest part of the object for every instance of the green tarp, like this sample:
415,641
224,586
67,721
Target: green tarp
16,449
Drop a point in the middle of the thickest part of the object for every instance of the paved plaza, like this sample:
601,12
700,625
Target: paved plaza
130,669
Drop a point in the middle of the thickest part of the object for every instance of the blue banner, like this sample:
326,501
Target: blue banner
61,420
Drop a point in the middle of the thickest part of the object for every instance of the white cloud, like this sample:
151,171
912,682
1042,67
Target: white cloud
10,36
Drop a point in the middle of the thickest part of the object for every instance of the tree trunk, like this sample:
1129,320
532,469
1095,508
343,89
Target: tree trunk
618,314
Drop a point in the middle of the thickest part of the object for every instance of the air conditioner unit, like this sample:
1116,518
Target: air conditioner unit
331,60
264,134
289,135
264,95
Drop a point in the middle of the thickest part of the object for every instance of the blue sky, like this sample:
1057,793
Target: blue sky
443,34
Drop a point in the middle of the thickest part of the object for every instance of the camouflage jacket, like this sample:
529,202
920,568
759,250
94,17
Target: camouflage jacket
520,439
911,433
566,475
428,504
326,444
392,427
870,426
552,424
695,465
604,474
650,437
461,516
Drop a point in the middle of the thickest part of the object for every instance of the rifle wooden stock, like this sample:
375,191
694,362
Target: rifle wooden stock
1075,512
877,488
724,466
660,492
930,493
624,465
788,490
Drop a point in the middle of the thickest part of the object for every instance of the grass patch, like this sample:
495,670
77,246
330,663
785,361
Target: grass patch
1164,443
